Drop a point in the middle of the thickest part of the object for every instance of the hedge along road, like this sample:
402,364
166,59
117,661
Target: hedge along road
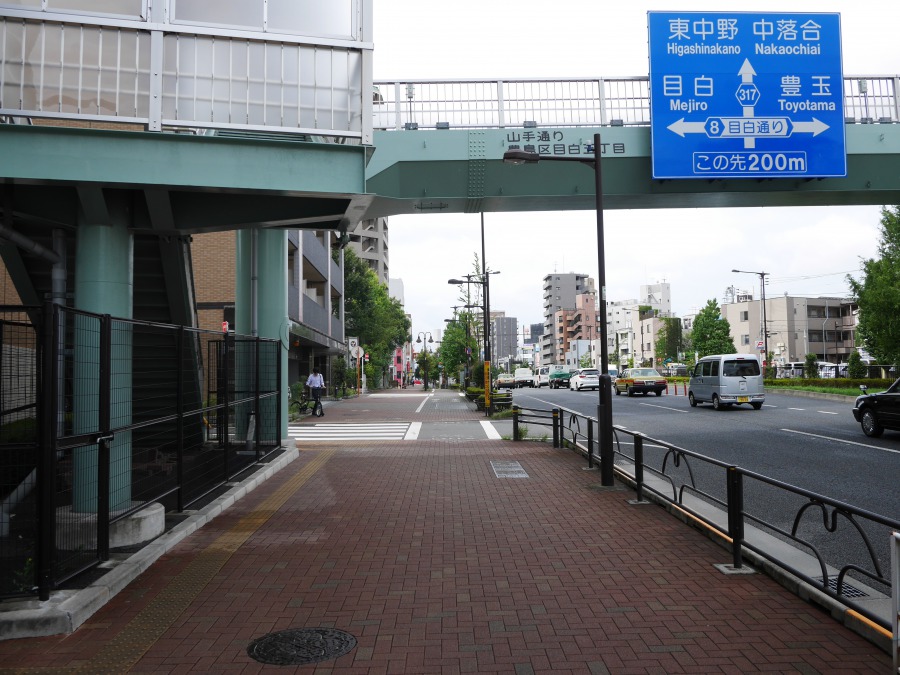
810,443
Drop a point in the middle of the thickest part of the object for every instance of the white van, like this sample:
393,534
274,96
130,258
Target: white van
726,380
542,376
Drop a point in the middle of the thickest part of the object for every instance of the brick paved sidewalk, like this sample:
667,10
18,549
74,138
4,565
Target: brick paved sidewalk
436,565
408,405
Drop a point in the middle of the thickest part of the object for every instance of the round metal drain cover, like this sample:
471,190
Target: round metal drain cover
298,646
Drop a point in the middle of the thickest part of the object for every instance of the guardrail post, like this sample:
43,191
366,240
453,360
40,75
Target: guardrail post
639,467
895,597
556,427
735,498
46,546
590,442
515,411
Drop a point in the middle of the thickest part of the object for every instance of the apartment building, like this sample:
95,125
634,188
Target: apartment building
797,326
633,324
369,240
315,293
559,296
504,339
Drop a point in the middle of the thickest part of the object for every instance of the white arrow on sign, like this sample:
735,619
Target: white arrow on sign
681,127
815,127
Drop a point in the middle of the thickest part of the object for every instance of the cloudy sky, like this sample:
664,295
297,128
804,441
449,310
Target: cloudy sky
807,251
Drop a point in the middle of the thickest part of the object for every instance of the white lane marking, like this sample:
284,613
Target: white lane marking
664,407
839,440
346,432
800,409
350,425
826,412
490,431
397,395
422,405
413,431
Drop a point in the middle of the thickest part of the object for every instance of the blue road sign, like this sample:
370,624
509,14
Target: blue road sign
746,95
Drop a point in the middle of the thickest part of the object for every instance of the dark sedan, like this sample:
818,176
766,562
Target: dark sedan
877,412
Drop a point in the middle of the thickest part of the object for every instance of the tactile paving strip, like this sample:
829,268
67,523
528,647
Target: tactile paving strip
152,622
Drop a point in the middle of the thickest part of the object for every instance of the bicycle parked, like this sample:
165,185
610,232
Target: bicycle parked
301,405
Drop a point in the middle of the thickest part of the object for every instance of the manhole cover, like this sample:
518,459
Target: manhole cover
298,646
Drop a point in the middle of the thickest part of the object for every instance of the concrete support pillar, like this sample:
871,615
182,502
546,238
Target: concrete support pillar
271,302
104,279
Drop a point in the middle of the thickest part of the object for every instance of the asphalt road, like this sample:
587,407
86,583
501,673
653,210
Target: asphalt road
809,443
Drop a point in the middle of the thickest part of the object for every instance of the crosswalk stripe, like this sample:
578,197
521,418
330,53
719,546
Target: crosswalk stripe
351,431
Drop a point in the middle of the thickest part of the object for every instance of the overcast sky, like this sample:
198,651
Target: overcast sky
807,251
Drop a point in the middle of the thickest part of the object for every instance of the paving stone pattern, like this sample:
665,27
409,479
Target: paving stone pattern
436,565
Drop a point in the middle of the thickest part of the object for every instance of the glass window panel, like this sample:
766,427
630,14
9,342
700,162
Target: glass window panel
239,13
255,87
133,8
332,18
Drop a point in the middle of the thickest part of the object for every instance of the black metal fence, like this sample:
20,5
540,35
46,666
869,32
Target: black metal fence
844,550
102,417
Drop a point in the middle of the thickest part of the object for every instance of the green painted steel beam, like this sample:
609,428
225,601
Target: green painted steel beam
446,171
124,158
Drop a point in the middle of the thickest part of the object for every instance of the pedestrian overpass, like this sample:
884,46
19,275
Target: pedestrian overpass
438,147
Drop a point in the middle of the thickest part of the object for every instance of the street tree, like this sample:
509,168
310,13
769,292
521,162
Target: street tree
453,347
372,314
856,369
711,332
877,294
669,340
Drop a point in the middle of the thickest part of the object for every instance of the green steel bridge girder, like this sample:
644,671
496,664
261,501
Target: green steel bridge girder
461,171
182,183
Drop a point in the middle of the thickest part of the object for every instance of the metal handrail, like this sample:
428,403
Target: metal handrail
570,102
574,430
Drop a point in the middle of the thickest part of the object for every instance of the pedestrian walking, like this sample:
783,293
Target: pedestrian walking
316,384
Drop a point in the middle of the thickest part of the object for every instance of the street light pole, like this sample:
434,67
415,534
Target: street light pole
604,402
485,283
762,301
488,403
425,343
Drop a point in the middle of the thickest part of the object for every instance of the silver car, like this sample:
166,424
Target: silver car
586,378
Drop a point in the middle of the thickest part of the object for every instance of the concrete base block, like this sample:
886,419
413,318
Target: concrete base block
76,531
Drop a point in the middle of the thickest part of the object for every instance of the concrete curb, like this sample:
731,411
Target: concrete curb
67,610
849,398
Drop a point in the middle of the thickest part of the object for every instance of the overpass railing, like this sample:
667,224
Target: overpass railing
576,102
841,550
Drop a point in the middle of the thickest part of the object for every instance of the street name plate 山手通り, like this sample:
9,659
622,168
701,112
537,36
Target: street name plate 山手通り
746,95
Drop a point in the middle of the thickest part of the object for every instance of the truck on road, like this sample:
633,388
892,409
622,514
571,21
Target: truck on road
524,377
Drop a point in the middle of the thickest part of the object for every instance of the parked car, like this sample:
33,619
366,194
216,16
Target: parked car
877,412
641,381
586,378
506,381
559,379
